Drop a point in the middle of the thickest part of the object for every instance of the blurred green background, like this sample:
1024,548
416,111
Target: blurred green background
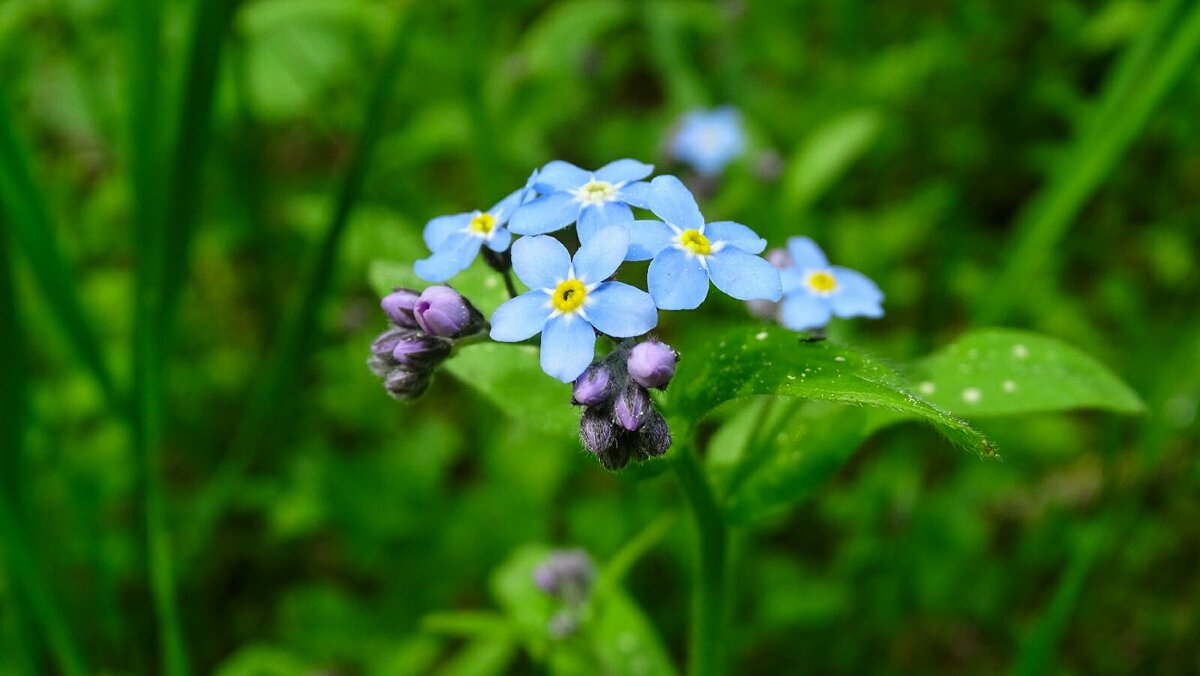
201,191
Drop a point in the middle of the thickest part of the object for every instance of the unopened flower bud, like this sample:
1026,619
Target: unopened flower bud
562,624
442,311
404,384
418,351
380,365
632,407
654,438
596,431
566,574
652,364
399,306
594,386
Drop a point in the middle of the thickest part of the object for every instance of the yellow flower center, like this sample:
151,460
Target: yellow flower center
820,281
695,242
597,192
483,224
569,296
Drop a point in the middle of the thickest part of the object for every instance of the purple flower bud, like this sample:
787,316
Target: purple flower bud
596,431
380,365
399,307
442,311
418,351
566,574
385,343
564,623
632,407
406,385
593,387
652,364
654,438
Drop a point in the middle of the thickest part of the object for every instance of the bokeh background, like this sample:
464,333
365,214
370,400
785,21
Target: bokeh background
203,191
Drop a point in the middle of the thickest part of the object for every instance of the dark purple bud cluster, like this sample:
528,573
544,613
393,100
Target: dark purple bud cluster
425,325
620,422
567,575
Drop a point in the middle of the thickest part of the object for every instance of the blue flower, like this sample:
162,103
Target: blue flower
709,140
570,194
688,253
569,298
814,290
455,240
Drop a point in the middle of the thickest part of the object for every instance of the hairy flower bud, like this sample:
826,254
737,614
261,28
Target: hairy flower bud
380,365
442,311
404,384
652,364
632,407
417,351
594,386
385,343
596,431
399,306
566,574
654,438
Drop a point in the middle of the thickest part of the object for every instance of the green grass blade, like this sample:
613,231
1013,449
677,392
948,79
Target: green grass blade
33,232
1047,218
25,569
258,423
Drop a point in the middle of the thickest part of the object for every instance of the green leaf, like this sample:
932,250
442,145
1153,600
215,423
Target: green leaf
625,640
993,372
750,361
510,376
562,36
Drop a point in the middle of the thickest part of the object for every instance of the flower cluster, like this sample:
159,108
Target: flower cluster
574,298
619,420
567,576
424,326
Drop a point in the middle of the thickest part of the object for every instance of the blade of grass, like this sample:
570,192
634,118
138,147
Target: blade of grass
164,233
298,332
27,572
33,232
1135,95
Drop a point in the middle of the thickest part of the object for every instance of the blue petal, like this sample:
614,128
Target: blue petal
793,280
677,281
620,310
647,238
540,262
636,194
504,208
559,175
594,218
568,346
521,317
599,258
455,256
806,254
674,203
857,295
438,229
737,235
744,276
545,214
803,311
624,171
500,240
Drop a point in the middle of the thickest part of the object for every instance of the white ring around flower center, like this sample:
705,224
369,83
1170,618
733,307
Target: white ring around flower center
595,192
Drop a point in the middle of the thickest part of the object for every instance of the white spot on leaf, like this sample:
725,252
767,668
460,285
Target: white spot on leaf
972,395
927,388
1009,386
1020,351
761,335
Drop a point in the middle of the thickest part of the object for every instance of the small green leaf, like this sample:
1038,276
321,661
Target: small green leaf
625,640
561,37
773,360
826,155
994,372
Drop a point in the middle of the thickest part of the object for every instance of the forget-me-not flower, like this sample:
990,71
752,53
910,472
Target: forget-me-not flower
687,252
456,240
707,140
569,194
814,290
570,297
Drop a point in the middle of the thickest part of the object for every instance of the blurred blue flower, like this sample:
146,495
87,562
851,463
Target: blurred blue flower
455,240
707,140
687,253
570,297
814,290
593,199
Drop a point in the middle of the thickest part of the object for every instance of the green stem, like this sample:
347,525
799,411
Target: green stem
709,585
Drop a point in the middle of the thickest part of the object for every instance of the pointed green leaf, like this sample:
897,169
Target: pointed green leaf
994,372
752,361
